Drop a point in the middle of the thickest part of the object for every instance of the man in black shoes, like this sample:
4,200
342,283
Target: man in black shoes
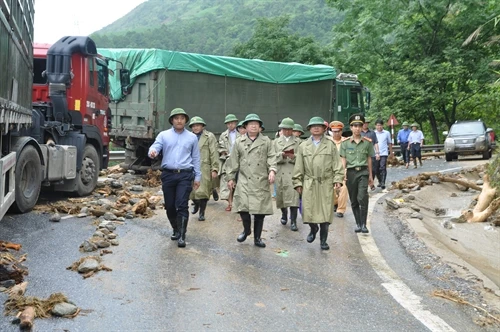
180,171
253,159
209,159
317,172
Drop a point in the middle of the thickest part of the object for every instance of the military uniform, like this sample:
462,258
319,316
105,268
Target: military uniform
209,162
340,195
225,147
317,170
286,197
253,160
356,155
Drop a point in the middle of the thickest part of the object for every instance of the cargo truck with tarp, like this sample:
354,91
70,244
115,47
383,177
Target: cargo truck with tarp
214,86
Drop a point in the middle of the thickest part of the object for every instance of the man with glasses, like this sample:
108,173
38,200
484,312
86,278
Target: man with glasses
356,153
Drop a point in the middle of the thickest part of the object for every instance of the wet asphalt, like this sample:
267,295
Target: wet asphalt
216,283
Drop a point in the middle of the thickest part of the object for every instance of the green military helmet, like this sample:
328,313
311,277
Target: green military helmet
252,117
240,124
414,124
177,111
297,127
196,120
286,123
230,118
316,120
406,123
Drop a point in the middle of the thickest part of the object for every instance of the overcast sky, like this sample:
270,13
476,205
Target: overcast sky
57,18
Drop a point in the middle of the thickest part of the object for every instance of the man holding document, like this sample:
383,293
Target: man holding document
285,147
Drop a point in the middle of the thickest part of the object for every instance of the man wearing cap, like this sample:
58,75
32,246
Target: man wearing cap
317,172
340,195
180,167
209,160
298,131
370,134
356,154
286,197
385,150
415,143
226,143
253,159
403,142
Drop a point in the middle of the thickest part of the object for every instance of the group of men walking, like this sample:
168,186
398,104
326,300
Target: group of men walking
316,174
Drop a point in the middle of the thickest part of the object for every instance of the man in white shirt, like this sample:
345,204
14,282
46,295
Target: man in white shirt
415,142
226,143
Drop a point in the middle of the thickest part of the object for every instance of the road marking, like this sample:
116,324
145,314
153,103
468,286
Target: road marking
451,169
393,283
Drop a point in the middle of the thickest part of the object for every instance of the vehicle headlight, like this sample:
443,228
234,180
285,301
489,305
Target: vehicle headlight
449,141
480,139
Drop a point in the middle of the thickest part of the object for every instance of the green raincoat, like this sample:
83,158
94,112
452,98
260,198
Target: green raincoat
209,161
286,195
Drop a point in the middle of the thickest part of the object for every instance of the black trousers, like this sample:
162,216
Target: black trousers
405,153
415,151
176,189
380,168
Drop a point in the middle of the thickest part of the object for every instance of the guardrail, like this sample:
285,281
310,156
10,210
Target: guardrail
437,147
117,155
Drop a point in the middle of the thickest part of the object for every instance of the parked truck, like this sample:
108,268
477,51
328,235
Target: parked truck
53,133
214,86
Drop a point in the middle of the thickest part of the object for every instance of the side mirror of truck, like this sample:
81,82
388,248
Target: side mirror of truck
124,80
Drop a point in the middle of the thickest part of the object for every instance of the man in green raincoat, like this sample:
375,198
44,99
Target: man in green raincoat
254,160
226,143
209,161
285,147
317,172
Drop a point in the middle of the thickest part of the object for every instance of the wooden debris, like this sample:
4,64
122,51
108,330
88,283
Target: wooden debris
18,290
27,318
9,245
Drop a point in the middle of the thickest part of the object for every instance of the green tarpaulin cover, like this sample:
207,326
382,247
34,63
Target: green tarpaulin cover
140,61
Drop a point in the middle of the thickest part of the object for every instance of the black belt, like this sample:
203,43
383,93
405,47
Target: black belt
358,168
185,170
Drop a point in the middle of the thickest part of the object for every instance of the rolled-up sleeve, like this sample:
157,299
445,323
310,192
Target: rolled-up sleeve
195,156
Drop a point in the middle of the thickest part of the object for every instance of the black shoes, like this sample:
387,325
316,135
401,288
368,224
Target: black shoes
312,235
242,237
175,235
196,206
323,235
215,194
364,229
203,206
284,216
340,214
293,226
335,208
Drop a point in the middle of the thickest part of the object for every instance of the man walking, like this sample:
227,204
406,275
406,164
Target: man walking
372,137
415,143
286,147
180,167
356,154
209,158
341,194
226,143
317,172
385,149
403,143
253,159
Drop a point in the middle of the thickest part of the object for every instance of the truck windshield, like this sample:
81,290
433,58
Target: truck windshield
467,128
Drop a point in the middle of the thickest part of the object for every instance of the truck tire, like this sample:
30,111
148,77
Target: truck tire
28,180
87,177
487,155
448,156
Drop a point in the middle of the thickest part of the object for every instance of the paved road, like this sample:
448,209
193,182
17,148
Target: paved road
218,283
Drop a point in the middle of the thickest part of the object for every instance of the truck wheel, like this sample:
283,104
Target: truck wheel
448,156
87,177
486,155
28,179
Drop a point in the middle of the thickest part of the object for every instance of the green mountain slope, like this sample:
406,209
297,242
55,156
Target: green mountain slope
212,26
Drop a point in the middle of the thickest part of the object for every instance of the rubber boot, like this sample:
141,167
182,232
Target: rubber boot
258,224
215,194
312,235
182,225
364,215
284,216
357,217
293,216
420,161
323,235
175,234
415,162
379,180
196,206
203,206
247,223
382,177
335,208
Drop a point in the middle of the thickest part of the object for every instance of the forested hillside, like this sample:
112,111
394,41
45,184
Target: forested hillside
213,26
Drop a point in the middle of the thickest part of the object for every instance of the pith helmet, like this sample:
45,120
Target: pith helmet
336,125
230,118
367,120
240,124
316,120
252,117
286,123
177,111
405,123
414,124
196,120
297,127
357,118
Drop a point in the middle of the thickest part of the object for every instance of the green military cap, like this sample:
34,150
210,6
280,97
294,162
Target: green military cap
286,123
230,118
177,111
367,120
405,123
357,118
197,120
252,117
414,124
298,127
240,124
316,120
